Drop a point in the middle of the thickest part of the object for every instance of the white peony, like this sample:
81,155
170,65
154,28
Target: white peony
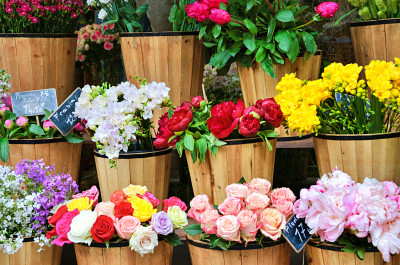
81,226
102,14
144,240
336,179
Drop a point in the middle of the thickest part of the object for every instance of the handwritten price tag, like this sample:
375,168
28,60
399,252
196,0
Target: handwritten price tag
297,233
33,103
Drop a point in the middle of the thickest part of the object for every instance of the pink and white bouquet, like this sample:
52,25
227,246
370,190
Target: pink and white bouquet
250,213
356,215
130,215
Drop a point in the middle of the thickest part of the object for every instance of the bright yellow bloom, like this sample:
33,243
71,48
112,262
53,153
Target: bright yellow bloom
132,190
81,204
304,119
142,209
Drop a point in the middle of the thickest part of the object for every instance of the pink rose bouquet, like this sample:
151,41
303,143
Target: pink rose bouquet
356,215
250,213
130,215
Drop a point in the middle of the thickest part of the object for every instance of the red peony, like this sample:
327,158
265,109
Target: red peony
173,201
249,125
219,16
123,209
164,134
224,118
103,229
187,105
196,101
273,113
118,196
58,215
181,119
327,9
198,11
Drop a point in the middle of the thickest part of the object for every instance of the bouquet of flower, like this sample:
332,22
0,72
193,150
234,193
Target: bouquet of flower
120,115
357,216
257,30
130,214
197,126
37,16
4,87
251,212
27,196
340,103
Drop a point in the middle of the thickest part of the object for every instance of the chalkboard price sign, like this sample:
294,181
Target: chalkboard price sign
63,117
297,233
33,103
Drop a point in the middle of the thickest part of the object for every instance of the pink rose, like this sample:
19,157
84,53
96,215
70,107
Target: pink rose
259,185
173,201
220,16
63,226
391,189
105,208
126,226
284,206
231,205
327,9
248,225
208,220
198,11
228,228
151,198
200,203
282,193
272,223
92,193
237,190
257,201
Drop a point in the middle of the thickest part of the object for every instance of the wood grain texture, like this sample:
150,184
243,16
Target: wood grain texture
64,155
152,172
377,158
257,84
28,255
279,254
178,61
375,42
86,255
252,160
39,63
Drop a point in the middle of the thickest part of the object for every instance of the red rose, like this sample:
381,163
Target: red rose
198,11
219,16
118,196
173,201
273,113
123,209
51,233
164,134
181,119
224,118
249,125
103,229
58,215
327,9
196,101
214,3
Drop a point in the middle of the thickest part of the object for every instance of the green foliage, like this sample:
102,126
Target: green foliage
180,21
376,9
172,239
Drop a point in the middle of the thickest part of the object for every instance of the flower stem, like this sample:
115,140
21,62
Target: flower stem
240,23
270,7
308,23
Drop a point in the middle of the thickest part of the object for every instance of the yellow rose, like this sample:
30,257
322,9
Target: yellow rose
178,217
81,204
132,190
142,209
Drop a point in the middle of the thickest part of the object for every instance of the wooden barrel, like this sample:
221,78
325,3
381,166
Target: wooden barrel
330,254
39,61
248,158
375,40
360,156
257,84
29,255
273,253
57,151
146,168
121,254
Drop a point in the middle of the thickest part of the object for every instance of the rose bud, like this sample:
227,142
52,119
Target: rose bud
47,124
249,125
219,16
196,101
327,9
22,121
9,124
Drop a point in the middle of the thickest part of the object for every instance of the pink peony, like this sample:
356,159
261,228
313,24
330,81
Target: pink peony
9,124
284,206
272,223
257,201
63,226
173,201
302,205
335,179
208,220
8,103
327,9
391,189
248,225
3,109
228,228
126,226
386,238
47,124
105,208
231,205
198,11
259,186
214,3
237,190
92,193
282,193
219,16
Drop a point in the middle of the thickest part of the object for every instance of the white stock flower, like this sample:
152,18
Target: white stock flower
81,226
144,240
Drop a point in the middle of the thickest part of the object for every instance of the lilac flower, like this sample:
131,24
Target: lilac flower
162,223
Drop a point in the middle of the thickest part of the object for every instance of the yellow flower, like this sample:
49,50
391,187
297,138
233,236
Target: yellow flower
304,119
142,209
81,204
132,190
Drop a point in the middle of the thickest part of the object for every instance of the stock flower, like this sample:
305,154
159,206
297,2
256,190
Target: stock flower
123,209
327,9
103,229
81,204
228,228
173,201
126,226
22,121
178,217
132,190
272,223
142,209
219,16
181,119
249,125
144,240
161,223
81,226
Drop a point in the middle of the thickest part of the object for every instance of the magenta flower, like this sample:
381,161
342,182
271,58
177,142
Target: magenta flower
219,16
327,9
22,121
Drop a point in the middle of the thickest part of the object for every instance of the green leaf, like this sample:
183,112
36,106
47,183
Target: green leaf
271,29
172,13
142,9
249,41
107,244
35,129
209,44
268,67
170,113
188,142
8,115
294,50
73,138
360,253
193,230
309,41
194,152
284,39
242,180
284,15
172,239
202,145
179,147
250,25
202,31
235,34
250,4
220,59
261,54
4,149
47,115
216,31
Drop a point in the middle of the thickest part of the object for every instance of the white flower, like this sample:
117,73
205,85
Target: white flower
144,240
105,1
102,14
80,227
178,217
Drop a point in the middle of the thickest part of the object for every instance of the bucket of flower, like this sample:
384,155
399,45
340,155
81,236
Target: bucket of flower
126,230
28,196
246,228
247,149
356,122
356,223
120,117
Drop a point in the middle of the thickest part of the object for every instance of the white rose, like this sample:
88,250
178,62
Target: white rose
102,14
144,240
178,217
81,226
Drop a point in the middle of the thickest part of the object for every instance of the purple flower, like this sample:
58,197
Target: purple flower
162,224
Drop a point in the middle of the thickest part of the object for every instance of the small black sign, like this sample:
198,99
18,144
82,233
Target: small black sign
63,117
33,103
297,233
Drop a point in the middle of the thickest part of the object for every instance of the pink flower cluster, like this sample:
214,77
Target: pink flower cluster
202,10
337,204
248,208
92,36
